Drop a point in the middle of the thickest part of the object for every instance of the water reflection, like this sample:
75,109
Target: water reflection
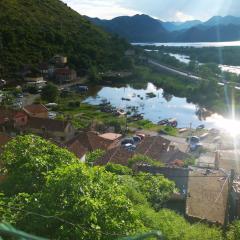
155,104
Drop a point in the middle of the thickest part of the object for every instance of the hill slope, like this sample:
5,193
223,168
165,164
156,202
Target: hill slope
32,31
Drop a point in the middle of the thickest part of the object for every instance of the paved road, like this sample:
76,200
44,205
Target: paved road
188,75
169,69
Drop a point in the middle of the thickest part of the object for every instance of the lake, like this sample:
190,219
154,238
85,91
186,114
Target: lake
193,44
225,68
154,109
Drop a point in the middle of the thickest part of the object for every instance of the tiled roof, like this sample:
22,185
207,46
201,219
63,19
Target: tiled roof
35,108
76,148
207,196
89,141
9,114
50,125
110,136
152,147
117,155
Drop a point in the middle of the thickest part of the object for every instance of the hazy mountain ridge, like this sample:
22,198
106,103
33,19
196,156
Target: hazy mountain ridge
142,28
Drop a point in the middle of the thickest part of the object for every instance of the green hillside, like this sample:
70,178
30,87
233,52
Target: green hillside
32,31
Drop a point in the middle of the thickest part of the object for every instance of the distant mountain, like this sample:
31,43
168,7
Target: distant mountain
218,20
142,28
139,28
178,26
218,33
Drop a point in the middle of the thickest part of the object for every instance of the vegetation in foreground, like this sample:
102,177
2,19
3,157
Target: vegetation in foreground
84,202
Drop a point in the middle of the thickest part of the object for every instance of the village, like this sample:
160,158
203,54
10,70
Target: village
202,163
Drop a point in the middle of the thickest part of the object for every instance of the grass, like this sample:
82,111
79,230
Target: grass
148,125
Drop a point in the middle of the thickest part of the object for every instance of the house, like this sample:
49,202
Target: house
155,147
36,110
59,60
65,75
229,160
33,78
38,84
207,198
89,141
50,128
12,118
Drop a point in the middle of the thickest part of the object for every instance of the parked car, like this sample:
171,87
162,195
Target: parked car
127,141
194,143
137,139
141,135
130,147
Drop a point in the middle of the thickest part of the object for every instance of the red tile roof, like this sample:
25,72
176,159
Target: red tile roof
35,108
89,141
50,125
76,148
154,147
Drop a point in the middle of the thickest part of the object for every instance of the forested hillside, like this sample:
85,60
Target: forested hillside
32,31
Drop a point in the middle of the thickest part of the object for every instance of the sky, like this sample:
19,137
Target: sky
166,10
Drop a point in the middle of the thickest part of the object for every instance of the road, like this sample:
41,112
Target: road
172,70
188,75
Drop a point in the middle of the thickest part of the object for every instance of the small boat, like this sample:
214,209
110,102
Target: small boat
172,122
125,99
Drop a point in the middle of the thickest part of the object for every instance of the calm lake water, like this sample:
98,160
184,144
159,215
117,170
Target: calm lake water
225,68
194,44
154,109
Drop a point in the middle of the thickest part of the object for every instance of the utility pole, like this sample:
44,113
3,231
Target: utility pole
228,207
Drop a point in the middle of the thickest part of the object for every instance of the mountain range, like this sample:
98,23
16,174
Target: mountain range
143,28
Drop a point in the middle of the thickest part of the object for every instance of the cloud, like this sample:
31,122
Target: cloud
181,17
101,8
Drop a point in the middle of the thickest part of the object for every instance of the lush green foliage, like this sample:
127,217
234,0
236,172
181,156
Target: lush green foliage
142,159
234,231
118,169
27,159
33,31
93,156
80,202
50,93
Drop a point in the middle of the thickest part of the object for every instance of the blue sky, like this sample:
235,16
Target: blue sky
167,10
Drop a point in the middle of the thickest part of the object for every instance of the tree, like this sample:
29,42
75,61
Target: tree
93,156
118,169
50,93
90,199
157,189
27,159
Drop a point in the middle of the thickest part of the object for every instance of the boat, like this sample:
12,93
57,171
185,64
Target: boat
172,122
